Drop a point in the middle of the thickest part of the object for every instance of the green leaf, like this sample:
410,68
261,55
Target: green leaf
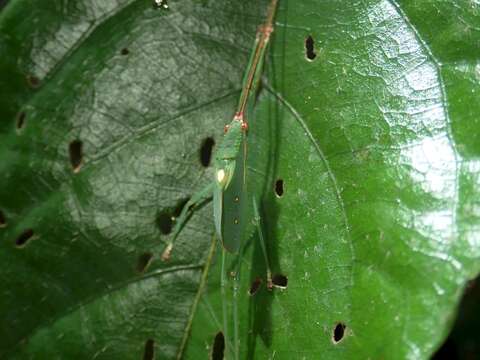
374,139
105,107
375,142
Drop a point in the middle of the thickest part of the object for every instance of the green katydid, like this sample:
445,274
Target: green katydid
225,158
226,168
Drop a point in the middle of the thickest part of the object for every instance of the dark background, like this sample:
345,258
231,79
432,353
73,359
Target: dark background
463,343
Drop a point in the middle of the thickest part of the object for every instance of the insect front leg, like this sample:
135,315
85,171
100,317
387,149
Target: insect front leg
194,203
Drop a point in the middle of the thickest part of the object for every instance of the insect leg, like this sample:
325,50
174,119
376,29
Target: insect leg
197,200
236,287
223,291
257,220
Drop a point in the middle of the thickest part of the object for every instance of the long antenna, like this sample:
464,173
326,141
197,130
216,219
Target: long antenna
262,43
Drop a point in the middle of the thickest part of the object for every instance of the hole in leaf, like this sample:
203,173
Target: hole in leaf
165,222
20,123
160,4
144,261
280,281
3,3
279,189
166,218
206,151
76,155
338,333
33,81
125,51
310,48
178,209
149,352
3,220
24,237
218,347
255,286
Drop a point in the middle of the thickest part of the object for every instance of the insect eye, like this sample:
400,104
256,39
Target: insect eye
220,175
224,175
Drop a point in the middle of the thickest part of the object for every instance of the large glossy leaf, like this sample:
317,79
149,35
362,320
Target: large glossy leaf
375,142
376,147
137,90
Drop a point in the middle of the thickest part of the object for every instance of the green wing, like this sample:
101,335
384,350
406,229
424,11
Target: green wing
234,209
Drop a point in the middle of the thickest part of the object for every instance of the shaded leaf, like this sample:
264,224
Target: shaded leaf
105,106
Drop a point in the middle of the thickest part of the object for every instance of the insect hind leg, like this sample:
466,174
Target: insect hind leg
257,220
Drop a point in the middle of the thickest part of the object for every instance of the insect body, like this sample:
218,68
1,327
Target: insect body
225,164
230,176
234,141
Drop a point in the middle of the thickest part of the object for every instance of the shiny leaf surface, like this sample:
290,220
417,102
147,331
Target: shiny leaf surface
374,107
105,107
